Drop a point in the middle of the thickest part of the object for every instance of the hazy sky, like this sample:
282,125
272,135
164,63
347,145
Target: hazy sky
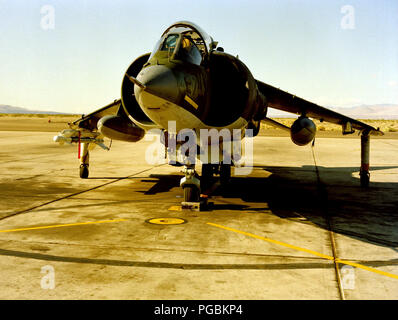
323,51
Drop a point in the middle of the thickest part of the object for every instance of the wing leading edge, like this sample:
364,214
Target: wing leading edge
90,120
282,100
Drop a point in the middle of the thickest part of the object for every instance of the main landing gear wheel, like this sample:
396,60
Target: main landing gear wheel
83,170
191,193
225,174
207,176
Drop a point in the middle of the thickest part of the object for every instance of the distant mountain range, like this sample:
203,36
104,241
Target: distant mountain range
12,110
376,111
365,111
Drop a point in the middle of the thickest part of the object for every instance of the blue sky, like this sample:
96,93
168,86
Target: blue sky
299,46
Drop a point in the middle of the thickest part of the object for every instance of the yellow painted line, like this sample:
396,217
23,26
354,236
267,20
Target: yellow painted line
191,102
175,208
324,256
360,266
64,225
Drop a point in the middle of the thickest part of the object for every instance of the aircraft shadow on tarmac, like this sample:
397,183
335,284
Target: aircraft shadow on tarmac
301,195
367,215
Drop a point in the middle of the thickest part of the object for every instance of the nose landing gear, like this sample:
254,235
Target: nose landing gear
193,187
190,184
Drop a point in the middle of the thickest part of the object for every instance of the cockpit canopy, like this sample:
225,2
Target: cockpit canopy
186,42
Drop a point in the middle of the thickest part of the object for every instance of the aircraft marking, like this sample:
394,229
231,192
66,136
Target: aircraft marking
175,208
167,221
63,225
191,102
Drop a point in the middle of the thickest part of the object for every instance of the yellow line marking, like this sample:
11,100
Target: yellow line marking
63,225
175,208
324,256
191,102
360,266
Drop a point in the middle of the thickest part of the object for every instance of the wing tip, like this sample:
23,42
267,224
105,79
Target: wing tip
376,132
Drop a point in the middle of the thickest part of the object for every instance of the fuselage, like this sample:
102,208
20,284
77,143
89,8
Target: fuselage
187,80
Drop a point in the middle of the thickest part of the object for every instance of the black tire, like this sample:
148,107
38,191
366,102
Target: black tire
83,171
365,178
207,176
225,174
191,194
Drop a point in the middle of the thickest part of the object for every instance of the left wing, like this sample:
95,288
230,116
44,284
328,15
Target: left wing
90,120
285,101
84,130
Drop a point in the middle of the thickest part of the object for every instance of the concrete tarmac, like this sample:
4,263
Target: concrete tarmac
299,226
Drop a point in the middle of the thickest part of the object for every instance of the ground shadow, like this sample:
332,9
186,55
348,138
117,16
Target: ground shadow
292,264
301,194
314,195
164,183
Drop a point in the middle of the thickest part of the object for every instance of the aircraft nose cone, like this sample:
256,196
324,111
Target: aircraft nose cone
158,81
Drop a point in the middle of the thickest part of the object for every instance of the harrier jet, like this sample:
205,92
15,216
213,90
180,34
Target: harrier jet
191,83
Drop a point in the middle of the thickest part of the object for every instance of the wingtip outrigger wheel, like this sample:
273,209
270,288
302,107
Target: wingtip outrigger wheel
365,148
365,179
83,171
84,160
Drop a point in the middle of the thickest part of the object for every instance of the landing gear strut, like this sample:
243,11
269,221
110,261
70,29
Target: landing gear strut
191,184
365,148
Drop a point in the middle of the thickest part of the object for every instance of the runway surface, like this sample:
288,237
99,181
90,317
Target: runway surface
298,227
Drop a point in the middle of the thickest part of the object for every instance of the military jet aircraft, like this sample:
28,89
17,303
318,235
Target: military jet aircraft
189,80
